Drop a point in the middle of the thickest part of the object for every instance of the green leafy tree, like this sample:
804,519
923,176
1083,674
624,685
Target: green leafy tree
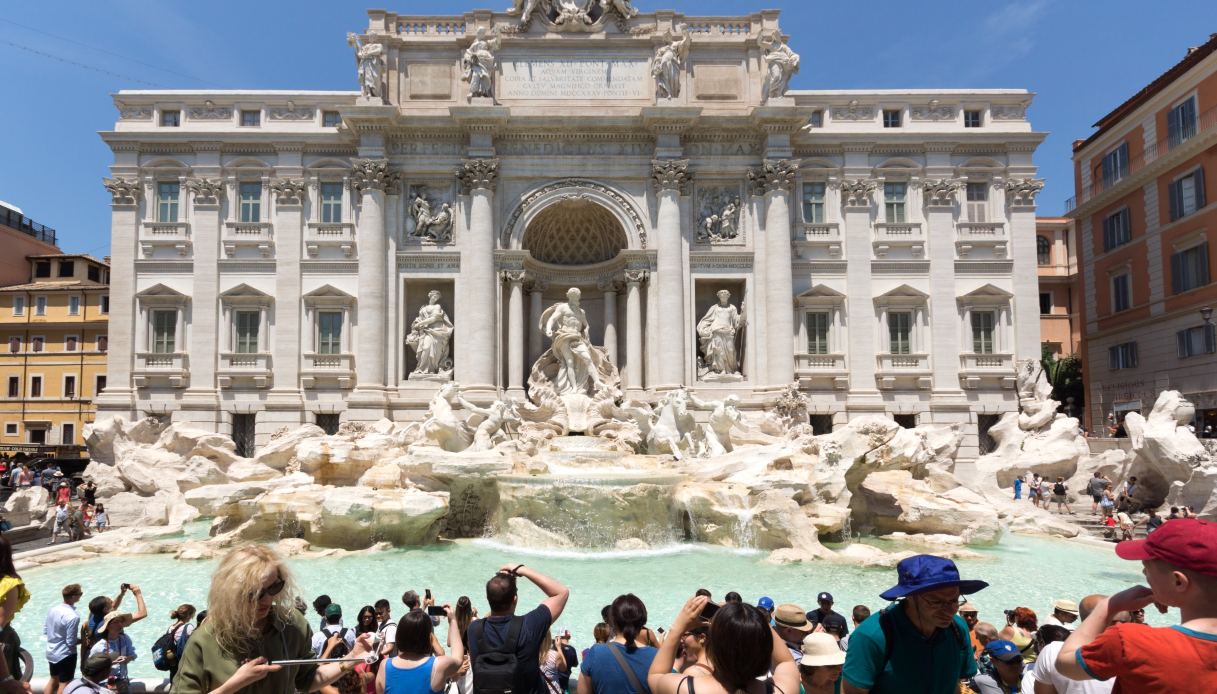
1065,377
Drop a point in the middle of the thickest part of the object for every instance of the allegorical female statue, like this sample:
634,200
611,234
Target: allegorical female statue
781,63
370,57
566,324
477,65
429,336
716,333
669,61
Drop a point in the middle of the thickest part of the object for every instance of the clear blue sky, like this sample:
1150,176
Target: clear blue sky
1081,57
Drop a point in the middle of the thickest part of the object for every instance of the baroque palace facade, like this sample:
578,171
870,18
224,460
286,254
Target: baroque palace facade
297,257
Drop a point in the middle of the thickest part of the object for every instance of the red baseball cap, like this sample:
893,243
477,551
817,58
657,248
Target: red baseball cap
1187,543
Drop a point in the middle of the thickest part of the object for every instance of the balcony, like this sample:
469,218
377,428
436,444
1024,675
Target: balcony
972,235
911,370
899,235
15,220
823,236
976,370
321,235
333,368
822,369
258,235
175,235
152,368
238,368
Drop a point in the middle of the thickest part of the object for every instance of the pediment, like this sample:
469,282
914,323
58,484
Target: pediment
987,292
159,290
244,291
904,291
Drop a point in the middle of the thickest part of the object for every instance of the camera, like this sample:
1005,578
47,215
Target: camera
125,586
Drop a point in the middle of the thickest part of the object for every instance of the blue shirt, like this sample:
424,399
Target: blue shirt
119,646
62,628
919,665
532,632
606,673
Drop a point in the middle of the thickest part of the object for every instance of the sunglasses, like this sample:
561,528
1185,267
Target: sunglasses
273,589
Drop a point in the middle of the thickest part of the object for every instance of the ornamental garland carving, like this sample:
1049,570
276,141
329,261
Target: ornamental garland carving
372,174
857,192
478,174
1008,112
635,276
207,191
577,183
774,174
940,192
290,112
135,112
932,112
853,112
671,174
1021,192
210,111
288,192
123,191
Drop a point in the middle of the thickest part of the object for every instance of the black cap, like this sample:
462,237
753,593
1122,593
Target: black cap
824,597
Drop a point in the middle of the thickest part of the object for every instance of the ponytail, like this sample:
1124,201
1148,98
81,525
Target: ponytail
629,616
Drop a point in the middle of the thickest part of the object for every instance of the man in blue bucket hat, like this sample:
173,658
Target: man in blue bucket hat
919,644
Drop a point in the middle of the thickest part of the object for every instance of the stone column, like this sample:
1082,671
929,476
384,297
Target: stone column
200,404
633,329
856,195
515,333
671,177
285,363
1020,202
370,178
118,398
610,288
475,351
777,176
536,342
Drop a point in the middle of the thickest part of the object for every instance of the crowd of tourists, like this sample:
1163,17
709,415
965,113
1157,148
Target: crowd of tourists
258,635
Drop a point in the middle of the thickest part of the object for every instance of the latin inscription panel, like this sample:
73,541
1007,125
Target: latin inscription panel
575,77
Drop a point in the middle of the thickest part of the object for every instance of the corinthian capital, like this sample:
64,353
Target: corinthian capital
856,192
671,174
940,192
371,174
124,191
774,174
478,174
207,191
634,276
288,192
515,276
1021,192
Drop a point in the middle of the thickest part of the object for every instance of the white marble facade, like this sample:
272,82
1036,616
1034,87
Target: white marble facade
272,250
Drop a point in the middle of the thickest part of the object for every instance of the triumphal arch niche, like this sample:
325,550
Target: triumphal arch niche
641,158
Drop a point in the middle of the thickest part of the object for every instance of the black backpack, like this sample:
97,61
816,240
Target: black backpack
1059,489
340,649
167,650
494,670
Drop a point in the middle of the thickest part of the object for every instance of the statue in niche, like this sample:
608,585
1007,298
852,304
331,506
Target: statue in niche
724,415
371,61
477,65
720,212
668,63
717,333
781,64
429,336
433,225
566,325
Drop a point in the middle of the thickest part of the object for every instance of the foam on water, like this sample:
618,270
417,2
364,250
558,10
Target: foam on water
598,555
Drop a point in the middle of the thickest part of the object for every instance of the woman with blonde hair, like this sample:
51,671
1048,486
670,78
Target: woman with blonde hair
250,625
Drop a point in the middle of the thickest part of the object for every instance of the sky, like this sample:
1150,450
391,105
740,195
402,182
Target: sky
61,61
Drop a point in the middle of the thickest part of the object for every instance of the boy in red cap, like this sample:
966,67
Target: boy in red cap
1179,561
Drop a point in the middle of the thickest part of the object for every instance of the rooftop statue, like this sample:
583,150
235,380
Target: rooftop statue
781,64
370,58
477,65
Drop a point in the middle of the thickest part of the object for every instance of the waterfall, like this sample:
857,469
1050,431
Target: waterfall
847,529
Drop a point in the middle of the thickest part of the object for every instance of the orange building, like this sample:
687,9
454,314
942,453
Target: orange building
1060,291
1146,214
20,237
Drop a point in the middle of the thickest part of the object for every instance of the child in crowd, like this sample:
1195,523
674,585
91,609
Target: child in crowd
100,519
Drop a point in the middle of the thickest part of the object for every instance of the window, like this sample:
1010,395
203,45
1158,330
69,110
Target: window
972,119
14,386
1122,356
893,202
1117,229
1187,194
1190,268
331,203
10,429
69,434
94,273
1181,122
978,201
983,323
1201,339
103,343
100,384
69,387
105,303
171,119
817,333
1121,293
251,202
328,423
35,386
164,331
900,330
251,118
166,201
14,345
246,327
891,118
813,203
1043,250
331,119
67,268
1045,303
73,305
18,305
37,343
40,306
906,421
42,268
1115,165
70,343
817,119
329,332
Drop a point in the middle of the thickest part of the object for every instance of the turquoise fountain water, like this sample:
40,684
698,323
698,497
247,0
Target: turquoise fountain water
1023,571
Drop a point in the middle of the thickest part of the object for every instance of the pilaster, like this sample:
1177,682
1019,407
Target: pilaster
118,398
371,178
776,177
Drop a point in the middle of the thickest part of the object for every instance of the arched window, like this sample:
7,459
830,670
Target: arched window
1043,250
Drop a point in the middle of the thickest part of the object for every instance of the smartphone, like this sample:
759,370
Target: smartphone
428,592
125,586
709,611
436,610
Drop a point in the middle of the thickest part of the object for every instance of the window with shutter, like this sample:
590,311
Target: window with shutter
1175,207
1181,123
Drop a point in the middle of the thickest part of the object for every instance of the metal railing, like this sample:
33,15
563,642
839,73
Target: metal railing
15,220
1204,123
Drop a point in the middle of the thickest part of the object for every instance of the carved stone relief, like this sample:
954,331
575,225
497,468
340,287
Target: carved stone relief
431,218
718,214
854,112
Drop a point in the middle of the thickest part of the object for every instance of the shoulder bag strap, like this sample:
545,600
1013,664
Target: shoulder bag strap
481,635
629,671
512,640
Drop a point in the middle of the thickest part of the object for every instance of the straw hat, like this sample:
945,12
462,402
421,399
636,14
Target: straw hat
110,617
821,649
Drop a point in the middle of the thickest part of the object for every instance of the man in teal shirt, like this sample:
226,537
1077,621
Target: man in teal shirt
919,645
